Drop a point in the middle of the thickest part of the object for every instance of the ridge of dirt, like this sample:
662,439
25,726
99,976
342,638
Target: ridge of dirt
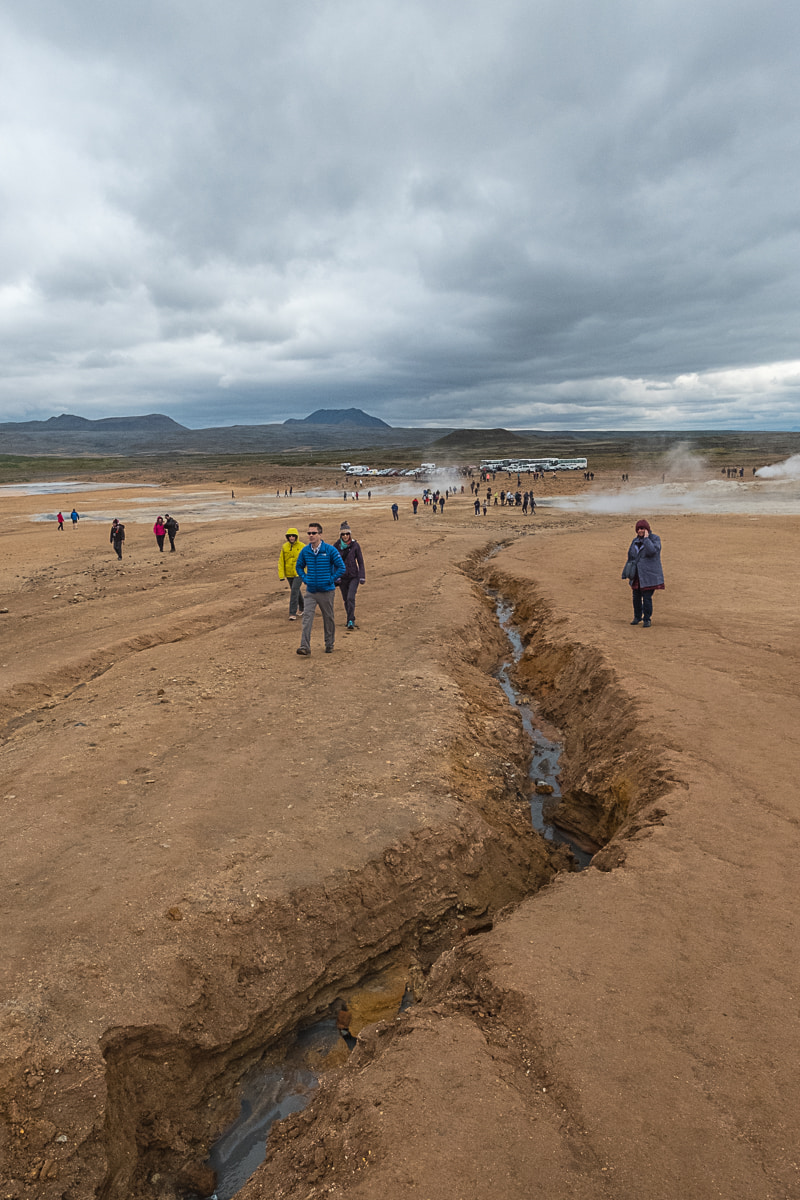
420,896
21,703
610,773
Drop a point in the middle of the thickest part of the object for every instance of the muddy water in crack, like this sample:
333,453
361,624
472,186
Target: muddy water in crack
279,1086
545,752
269,1093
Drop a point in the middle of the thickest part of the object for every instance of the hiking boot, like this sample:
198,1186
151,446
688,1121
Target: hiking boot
302,650
646,624
329,649
350,625
636,621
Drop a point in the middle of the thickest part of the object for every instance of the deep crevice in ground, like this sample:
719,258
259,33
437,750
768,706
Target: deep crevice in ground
170,1092
611,784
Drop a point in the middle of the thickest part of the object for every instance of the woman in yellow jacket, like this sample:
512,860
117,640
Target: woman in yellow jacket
287,569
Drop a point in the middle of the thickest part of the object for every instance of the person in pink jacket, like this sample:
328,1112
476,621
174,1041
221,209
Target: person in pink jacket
160,530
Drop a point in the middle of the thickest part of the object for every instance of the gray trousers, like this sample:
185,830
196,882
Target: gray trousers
325,602
295,595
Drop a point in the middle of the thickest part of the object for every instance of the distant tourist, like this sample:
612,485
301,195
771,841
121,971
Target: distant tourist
395,512
287,569
415,505
73,516
644,573
477,508
320,567
117,536
60,519
354,572
172,527
160,530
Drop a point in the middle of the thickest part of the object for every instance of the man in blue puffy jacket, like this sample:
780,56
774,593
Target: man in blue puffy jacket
319,566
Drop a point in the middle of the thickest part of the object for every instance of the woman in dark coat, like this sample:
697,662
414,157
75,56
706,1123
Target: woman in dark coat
354,572
644,574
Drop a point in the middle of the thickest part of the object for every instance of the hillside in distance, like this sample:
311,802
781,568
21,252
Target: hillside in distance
340,416
71,436
325,430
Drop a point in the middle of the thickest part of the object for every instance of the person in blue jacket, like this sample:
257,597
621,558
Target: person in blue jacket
320,567
644,554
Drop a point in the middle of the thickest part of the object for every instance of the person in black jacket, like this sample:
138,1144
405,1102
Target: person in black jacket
354,572
172,527
117,536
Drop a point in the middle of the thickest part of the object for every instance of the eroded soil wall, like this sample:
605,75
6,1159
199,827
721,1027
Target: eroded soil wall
611,772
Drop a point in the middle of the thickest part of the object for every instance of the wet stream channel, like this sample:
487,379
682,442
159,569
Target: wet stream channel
283,1083
546,753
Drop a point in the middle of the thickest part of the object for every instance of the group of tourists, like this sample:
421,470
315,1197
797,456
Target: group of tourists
165,527
322,568
513,500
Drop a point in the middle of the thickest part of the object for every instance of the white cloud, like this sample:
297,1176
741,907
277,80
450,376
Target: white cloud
563,214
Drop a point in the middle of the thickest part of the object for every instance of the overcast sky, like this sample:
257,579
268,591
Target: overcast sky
529,213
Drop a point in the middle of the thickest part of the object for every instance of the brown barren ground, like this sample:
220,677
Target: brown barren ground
207,839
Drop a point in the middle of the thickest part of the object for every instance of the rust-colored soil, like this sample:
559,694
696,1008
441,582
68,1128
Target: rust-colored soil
207,839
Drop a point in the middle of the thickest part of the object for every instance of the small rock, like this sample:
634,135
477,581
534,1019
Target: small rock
3,610
544,789
174,913
62,1137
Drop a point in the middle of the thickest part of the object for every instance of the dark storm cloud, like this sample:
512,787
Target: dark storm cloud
567,214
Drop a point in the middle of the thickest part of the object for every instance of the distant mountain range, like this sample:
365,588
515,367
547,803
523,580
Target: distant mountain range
67,423
347,432
336,429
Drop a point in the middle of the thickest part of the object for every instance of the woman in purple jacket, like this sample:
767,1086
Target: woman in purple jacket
354,572
643,572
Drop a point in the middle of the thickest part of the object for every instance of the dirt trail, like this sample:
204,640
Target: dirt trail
209,837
